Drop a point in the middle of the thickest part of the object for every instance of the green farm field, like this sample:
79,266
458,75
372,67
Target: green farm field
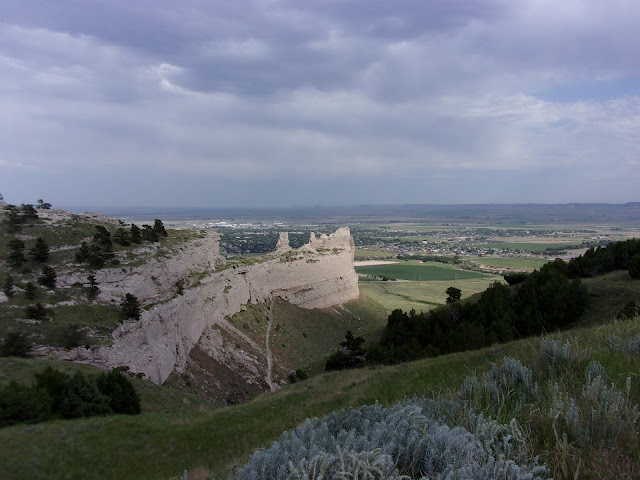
421,296
417,271
524,263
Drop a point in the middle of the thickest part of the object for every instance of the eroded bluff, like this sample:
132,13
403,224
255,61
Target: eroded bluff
320,274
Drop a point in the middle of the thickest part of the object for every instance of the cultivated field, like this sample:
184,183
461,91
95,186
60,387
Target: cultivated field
418,271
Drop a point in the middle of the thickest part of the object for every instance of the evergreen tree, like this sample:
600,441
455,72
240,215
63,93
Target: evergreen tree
120,391
37,311
56,384
158,227
43,205
136,235
130,307
93,287
12,218
122,237
30,291
28,212
83,253
16,254
40,251
102,236
7,287
149,234
454,295
48,277
83,399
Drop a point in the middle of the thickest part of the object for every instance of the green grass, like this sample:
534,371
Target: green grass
181,433
417,271
523,263
420,296
364,254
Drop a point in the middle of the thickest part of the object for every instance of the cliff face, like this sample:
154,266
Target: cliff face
318,275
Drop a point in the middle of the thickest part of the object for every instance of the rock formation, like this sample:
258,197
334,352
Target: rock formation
319,274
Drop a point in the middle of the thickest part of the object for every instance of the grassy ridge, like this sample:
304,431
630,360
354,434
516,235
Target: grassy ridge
188,434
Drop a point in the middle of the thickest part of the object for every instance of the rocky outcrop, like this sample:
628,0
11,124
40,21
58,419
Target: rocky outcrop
319,274
283,244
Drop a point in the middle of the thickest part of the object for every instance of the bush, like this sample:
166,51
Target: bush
23,404
15,345
83,399
411,438
73,336
56,384
119,389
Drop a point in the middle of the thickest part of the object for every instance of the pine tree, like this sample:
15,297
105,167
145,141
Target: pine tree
130,307
48,277
158,227
136,236
40,251
7,287
149,234
93,287
16,255
30,291
122,237
28,212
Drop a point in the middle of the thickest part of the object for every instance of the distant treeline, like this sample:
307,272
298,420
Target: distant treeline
548,299
615,256
545,301
432,258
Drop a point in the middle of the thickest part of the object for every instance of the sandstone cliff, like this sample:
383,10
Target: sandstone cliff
318,275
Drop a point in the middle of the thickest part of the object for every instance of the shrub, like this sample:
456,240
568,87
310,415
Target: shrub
73,336
120,391
630,310
23,404
83,399
15,345
502,392
56,384
411,438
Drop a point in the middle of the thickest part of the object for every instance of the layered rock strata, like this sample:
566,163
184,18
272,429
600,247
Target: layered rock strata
319,274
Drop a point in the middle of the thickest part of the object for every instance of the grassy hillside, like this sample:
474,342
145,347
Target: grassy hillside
68,305
177,432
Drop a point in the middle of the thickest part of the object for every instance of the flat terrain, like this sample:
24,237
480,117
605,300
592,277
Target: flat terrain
418,271
421,296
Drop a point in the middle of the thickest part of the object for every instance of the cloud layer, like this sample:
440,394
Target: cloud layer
276,102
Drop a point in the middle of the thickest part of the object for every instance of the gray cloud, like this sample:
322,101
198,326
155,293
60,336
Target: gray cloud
323,95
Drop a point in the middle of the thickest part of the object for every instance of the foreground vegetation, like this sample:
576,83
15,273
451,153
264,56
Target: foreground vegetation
176,431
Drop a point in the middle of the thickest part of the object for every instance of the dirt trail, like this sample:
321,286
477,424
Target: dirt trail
272,386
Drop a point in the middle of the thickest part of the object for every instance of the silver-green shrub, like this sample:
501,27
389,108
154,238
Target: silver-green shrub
556,358
409,440
502,392
598,416
631,346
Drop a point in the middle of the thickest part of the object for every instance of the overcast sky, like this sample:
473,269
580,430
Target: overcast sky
304,102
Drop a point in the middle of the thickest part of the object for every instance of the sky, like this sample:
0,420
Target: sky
250,103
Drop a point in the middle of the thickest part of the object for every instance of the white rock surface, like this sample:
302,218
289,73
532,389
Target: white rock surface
318,275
